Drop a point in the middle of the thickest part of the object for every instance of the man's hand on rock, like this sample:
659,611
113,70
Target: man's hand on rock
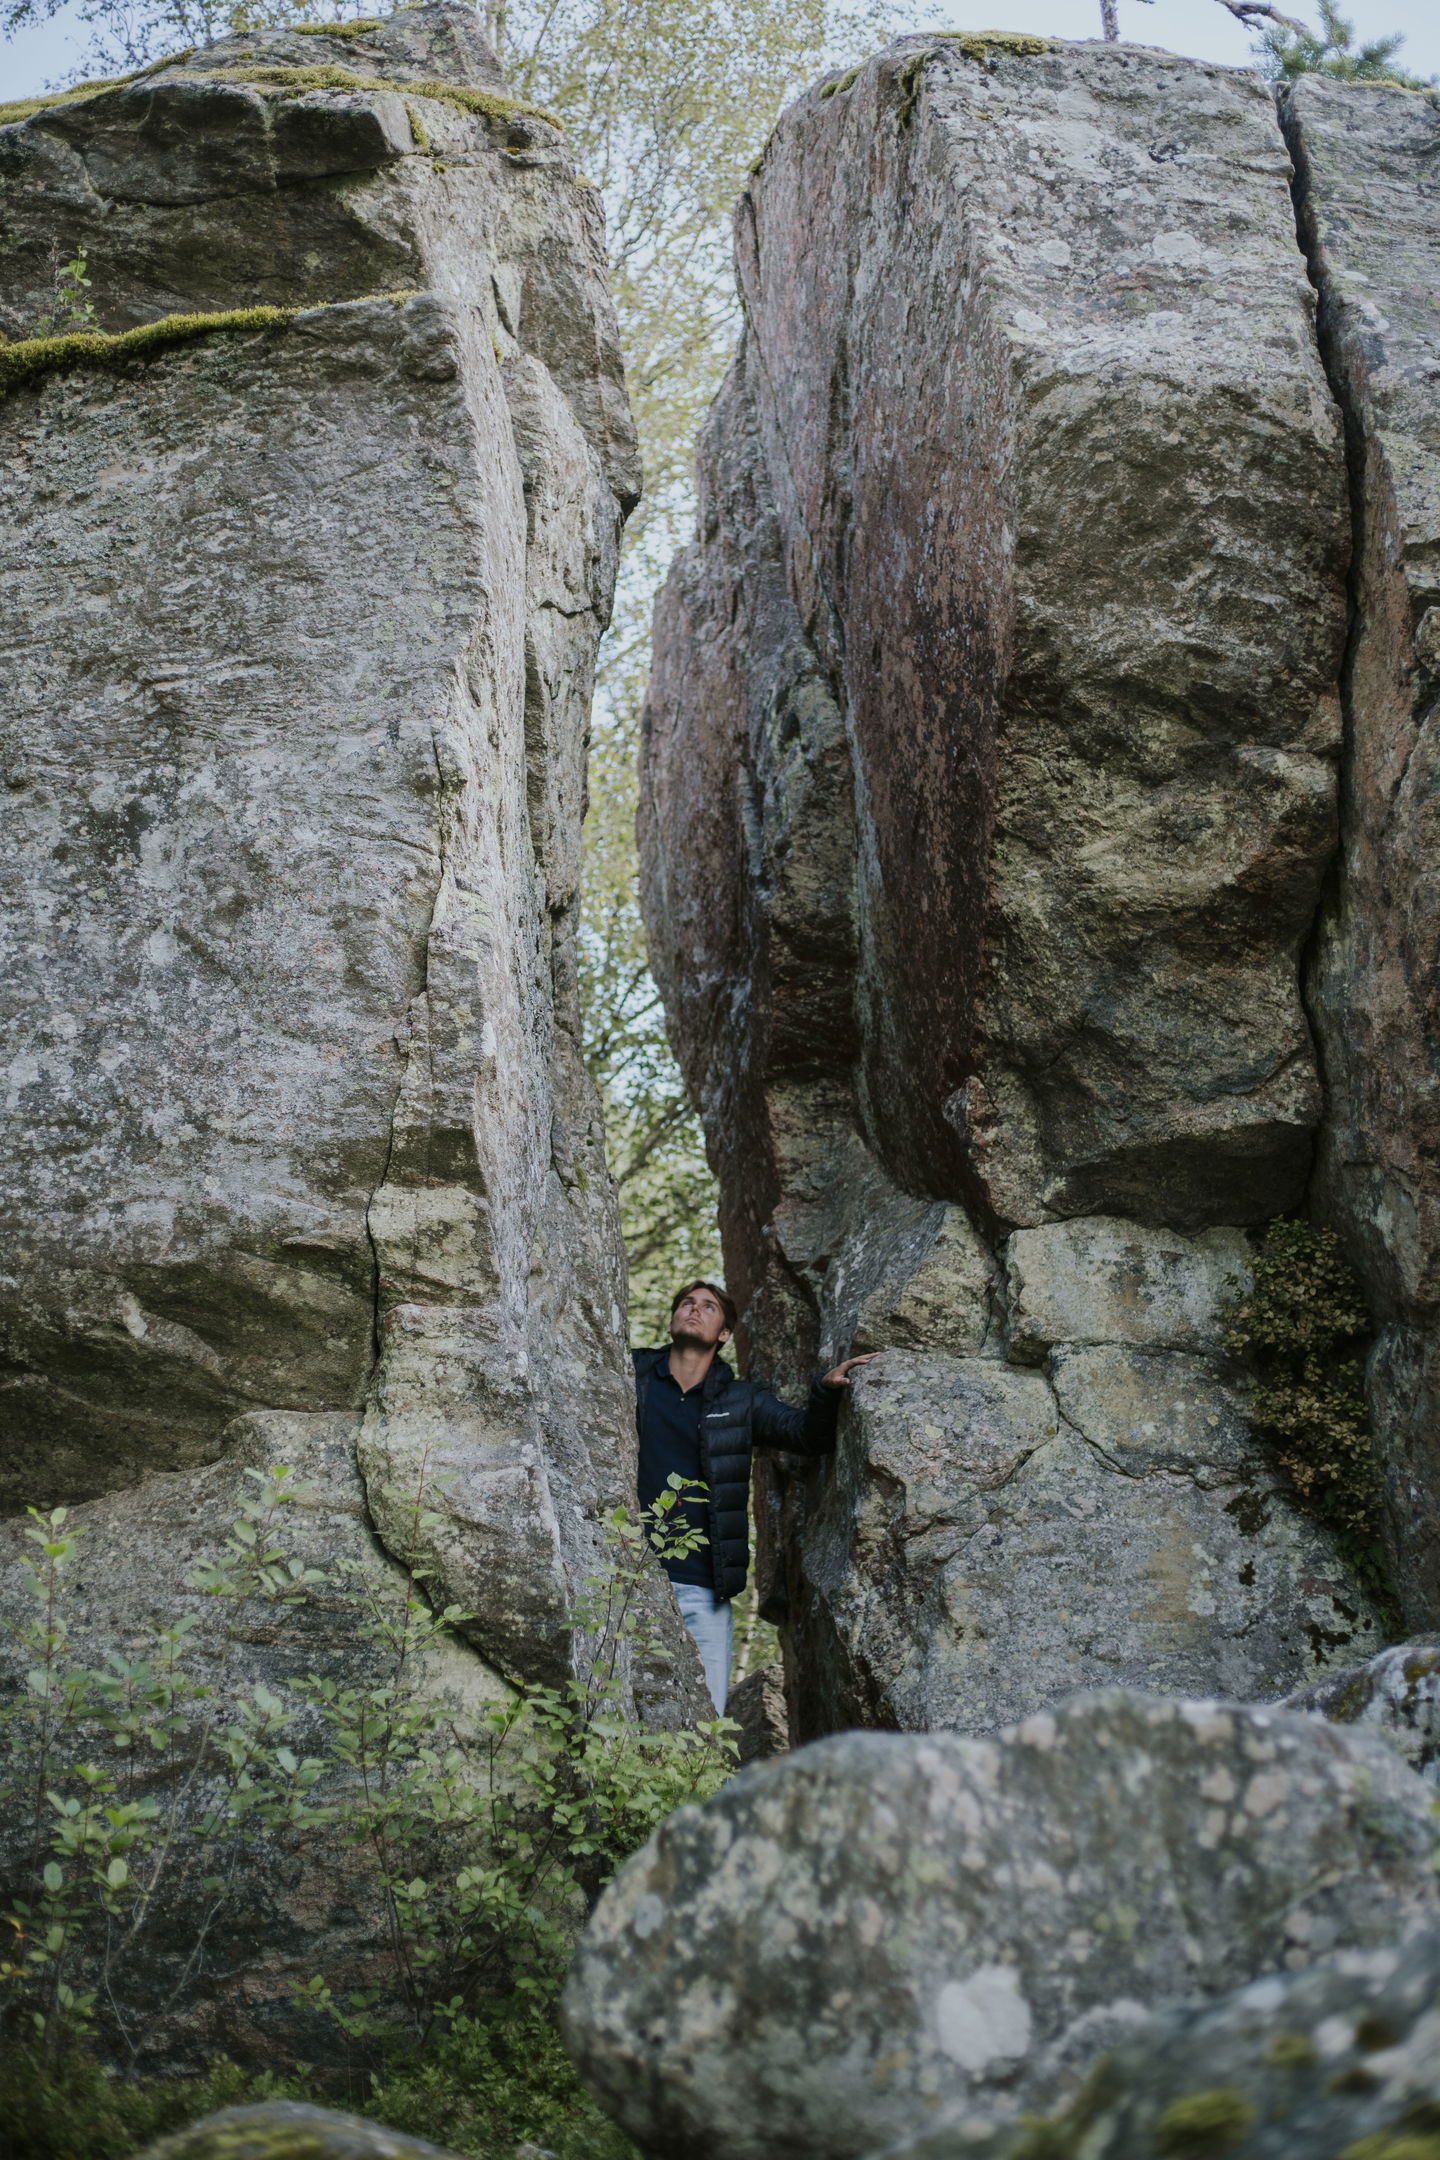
839,1375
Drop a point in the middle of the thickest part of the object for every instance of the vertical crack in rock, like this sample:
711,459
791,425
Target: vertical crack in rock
1368,205
988,790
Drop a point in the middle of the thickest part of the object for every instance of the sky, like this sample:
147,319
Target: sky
51,54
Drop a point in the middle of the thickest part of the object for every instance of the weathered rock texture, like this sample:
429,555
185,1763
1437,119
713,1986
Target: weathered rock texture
990,783
1342,2061
300,636
1396,1694
881,1926
1369,166
289,2130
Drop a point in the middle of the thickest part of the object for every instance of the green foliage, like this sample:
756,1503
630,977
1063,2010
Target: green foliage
146,1789
70,311
492,2082
71,2110
1305,1325
1284,52
484,2085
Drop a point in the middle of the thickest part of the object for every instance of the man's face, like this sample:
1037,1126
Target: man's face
699,1318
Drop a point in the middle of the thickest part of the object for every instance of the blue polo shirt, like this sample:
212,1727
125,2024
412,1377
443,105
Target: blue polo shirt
670,1441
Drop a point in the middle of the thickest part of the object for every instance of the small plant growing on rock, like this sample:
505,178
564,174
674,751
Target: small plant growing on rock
71,309
1304,1324
148,1790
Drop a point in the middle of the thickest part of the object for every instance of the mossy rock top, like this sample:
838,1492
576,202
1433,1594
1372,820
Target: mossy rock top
291,2130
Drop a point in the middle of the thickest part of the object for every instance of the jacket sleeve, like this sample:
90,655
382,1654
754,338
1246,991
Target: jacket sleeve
810,1431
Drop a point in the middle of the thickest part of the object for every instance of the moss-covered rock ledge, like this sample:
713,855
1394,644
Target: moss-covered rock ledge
291,81
291,2130
29,358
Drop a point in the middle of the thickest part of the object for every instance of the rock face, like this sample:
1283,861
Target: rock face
990,779
297,1120
883,1926
1370,200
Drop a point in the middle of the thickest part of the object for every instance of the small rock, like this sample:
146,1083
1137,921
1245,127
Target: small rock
757,1704
885,1925
1396,1694
292,2130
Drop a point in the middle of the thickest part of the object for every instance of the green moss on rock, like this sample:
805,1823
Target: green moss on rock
362,26
291,2130
981,44
1394,2145
26,108
29,358
1290,2051
1200,2124
842,83
488,104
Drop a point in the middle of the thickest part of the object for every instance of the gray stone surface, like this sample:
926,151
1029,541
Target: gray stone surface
757,1704
1370,197
1101,1280
990,778
1343,2061
840,1945
988,1538
291,2130
1077,778
1396,1694
301,634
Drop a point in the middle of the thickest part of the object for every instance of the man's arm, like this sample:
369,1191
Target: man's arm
810,1431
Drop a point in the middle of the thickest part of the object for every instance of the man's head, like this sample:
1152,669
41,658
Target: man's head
702,1314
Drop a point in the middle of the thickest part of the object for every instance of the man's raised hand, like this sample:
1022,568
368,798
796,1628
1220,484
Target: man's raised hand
839,1375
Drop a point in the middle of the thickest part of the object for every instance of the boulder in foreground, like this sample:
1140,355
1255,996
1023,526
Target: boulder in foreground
885,1926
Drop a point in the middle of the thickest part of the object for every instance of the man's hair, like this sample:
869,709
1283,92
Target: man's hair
727,1303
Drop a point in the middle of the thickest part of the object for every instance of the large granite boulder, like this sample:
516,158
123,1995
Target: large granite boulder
882,1926
301,1164
1368,164
302,624
1342,2063
990,780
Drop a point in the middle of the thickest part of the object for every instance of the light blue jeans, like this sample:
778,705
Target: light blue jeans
712,1630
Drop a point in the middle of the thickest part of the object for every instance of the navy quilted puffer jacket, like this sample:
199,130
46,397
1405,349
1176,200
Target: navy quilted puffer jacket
736,1417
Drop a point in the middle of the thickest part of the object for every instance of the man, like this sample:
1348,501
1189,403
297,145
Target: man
697,1419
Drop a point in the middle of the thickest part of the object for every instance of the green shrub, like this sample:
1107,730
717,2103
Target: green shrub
485,1839
1305,1326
